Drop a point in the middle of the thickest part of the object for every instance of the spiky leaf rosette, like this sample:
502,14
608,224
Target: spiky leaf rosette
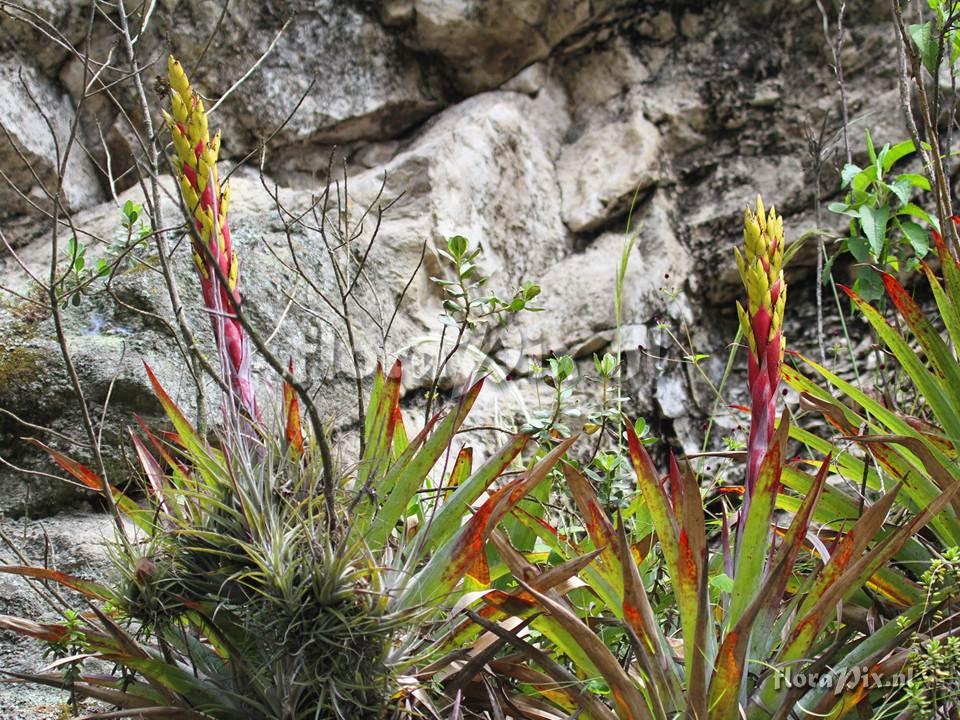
761,269
195,161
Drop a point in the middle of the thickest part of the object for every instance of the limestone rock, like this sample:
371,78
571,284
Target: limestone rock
578,291
483,169
355,79
74,544
36,118
485,43
42,28
526,126
600,172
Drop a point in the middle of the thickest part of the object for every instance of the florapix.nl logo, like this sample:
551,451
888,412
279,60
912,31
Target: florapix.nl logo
803,674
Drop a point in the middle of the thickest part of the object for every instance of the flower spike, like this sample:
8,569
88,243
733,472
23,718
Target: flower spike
761,270
195,161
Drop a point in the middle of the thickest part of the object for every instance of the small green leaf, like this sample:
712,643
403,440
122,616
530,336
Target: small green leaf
868,284
858,247
902,189
874,223
640,427
918,238
849,172
898,151
457,245
916,180
863,180
918,212
841,209
722,582
926,42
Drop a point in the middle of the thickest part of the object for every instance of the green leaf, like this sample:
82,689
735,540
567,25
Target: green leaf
896,152
921,488
858,247
949,309
918,238
918,212
457,245
207,461
842,209
936,390
926,41
902,189
863,180
868,285
753,535
915,180
447,519
849,172
722,582
380,424
87,588
451,561
402,482
871,151
874,224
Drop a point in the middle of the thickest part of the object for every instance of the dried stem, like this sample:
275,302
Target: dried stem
153,159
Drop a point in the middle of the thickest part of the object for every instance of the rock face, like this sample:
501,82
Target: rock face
355,79
74,543
37,118
485,43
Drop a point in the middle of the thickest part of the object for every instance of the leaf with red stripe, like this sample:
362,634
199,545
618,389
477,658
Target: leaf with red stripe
85,587
452,559
198,451
156,479
291,411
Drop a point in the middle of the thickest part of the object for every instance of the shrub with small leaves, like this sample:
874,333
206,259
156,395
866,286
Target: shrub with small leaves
933,684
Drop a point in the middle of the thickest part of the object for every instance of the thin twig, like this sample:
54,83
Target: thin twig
250,71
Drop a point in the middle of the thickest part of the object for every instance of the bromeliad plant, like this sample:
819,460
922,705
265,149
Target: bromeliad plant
765,603
235,598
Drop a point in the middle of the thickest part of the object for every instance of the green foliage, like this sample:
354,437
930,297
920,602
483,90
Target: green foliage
746,605
937,39
933,685
466,299
884,232
79,276
917,447
236,601
66,650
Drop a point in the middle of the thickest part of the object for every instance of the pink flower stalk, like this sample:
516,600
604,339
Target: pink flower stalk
195,160
761,270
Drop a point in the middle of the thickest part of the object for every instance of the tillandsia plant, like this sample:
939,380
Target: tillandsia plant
762,608
235,597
